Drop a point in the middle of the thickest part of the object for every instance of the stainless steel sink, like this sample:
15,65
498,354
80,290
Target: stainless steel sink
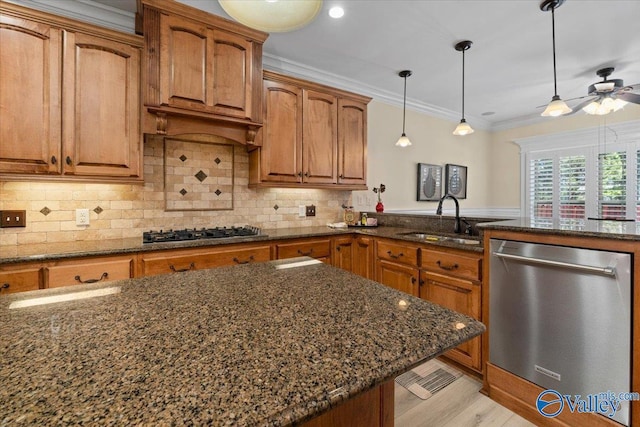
437,238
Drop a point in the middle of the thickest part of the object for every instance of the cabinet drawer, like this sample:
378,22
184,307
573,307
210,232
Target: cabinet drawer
397,253
176,262
90,271
19,280
452,264
312,248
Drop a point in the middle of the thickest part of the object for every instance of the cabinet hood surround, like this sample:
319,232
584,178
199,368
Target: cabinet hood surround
203,73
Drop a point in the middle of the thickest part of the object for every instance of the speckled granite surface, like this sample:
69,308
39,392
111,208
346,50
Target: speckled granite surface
620,230
60,251
242,345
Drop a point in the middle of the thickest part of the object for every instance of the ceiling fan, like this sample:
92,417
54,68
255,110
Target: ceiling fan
608,95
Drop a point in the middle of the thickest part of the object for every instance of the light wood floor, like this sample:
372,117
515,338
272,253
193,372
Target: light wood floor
457,405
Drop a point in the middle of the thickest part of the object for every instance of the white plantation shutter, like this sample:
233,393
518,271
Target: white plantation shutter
612,184
572,186
541,188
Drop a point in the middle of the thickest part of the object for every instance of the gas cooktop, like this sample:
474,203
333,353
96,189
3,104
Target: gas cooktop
195,234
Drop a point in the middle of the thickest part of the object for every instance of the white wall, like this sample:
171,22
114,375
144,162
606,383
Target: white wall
492,158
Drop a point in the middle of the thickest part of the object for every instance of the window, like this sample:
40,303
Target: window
582,174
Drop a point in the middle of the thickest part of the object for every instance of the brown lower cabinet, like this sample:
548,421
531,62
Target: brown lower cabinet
92,270
20,278
181,260
318,248
364,257
343,253
397,266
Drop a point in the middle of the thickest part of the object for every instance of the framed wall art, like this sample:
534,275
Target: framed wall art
429,182
455,179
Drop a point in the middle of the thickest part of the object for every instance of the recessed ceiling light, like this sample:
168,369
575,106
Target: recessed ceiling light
336,12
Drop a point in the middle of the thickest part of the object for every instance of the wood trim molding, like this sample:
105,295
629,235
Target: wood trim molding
308,85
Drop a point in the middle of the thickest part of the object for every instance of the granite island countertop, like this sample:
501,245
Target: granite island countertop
252,344
59,251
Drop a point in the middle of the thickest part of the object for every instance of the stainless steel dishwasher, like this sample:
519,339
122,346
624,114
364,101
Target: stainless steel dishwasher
560,317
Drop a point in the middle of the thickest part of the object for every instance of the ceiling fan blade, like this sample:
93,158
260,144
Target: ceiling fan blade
632,88
629,97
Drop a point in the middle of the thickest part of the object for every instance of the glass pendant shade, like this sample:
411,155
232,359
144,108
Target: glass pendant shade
403,141
273,16
604,106
557,107
463,128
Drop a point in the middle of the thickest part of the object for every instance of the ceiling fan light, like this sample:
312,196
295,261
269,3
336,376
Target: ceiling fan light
272,16
619,104
463,128
591,108
557,107
403,141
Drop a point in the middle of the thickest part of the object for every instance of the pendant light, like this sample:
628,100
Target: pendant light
557,107
272,16
463,127
403,141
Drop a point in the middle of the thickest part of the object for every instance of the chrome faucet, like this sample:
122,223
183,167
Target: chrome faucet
457,228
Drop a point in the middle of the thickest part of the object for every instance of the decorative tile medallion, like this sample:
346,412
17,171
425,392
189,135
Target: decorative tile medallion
98,210
201,176
276,207
198,176
45,211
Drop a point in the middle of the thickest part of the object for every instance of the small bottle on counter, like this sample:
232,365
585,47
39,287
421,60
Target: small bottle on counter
363,219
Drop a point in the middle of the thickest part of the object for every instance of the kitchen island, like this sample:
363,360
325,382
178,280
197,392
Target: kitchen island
273,343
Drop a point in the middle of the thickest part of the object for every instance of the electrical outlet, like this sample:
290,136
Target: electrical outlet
13,219
82,217
302,211
311,210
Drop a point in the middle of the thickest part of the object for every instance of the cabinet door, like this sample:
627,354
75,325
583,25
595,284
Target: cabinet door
29,96
314,248
343,253
397,276
461,296
101,100
185,63
363,254
352,142
281,155
319,140
20,279
232,86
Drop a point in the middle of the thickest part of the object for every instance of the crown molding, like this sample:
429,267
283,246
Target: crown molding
85,11
285,66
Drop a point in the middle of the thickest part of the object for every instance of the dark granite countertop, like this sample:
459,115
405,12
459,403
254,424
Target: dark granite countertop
245,345
619,230
60,251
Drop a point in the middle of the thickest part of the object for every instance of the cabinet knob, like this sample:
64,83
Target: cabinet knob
306,174
341,176
4,286
413,280
299,173
54,160
68,160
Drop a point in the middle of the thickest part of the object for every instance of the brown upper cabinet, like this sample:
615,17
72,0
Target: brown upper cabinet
313,136
203,72
70,99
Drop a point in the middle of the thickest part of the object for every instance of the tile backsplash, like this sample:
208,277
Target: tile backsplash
122,210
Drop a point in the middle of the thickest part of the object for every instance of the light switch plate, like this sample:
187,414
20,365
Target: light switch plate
311,210
82,217
13,219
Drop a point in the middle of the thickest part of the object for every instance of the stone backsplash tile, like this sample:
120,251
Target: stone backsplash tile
128,210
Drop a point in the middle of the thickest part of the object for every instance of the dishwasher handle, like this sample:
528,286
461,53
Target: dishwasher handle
609,271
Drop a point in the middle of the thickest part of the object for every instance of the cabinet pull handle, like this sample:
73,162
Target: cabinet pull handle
104,276
421,282
391,255
447,267
300,173
68,160
413,280
4,286
306,174
54,160
305,253
338,249
341,176
182,270
237,261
